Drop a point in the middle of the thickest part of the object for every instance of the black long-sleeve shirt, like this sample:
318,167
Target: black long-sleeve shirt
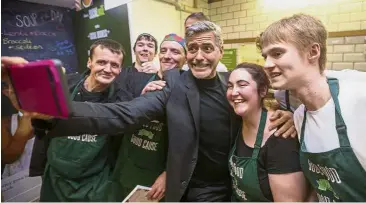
214,142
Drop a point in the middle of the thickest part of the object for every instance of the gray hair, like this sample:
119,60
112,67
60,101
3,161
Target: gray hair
205,26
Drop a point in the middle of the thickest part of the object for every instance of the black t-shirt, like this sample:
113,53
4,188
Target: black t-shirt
133,81
277,156
84,95
214,142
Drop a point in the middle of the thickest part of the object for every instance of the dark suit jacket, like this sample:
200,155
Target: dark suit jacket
179,101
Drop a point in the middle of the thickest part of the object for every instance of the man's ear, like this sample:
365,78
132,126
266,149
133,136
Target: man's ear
314,53
121,66
221,51
89,62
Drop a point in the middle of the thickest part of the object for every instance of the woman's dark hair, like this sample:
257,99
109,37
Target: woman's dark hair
258,75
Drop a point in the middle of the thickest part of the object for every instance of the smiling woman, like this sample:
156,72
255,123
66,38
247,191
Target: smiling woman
263,167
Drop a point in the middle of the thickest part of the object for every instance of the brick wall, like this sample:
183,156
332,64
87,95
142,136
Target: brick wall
204,5
347,52
247,18
201,5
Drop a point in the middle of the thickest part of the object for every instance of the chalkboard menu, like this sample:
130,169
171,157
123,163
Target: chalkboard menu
37,31
93,23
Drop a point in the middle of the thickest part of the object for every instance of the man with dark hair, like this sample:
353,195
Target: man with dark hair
111,45
194,17
78,165
143,70
145,49
191,19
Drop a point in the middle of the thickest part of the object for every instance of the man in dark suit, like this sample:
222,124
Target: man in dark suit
201,125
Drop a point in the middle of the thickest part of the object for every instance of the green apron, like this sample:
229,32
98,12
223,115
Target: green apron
141,159
244,170
336,175
77,168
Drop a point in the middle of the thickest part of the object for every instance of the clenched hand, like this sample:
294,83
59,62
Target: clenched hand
157,191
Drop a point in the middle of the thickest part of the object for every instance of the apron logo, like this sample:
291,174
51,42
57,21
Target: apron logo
237,171
84,138
330,173
238,191
146,133
136,141
145,144
324,185
322,198
154,125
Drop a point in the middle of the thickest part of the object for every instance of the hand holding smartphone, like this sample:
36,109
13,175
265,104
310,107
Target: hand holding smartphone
41,87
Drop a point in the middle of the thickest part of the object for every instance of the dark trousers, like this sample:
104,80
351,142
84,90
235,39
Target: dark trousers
200,191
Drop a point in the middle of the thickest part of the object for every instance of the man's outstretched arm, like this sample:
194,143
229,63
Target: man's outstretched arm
99,118
117,118
110,118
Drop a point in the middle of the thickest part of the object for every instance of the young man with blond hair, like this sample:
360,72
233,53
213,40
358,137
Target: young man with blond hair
331,117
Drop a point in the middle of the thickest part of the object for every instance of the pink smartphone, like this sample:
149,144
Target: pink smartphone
41,87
